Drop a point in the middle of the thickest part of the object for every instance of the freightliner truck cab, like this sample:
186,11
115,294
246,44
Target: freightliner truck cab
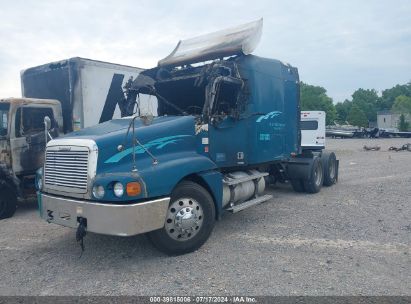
220,131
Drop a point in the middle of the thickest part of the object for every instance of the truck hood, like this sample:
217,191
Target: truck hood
164,136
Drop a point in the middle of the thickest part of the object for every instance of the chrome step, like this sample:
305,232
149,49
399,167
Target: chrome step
250,203
235,181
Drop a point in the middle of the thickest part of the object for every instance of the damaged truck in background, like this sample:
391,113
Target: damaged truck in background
222,124
73,93
22,145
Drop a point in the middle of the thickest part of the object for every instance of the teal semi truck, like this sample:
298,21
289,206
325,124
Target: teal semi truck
223,123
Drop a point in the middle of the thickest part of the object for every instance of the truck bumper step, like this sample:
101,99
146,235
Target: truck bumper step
250,203
103,218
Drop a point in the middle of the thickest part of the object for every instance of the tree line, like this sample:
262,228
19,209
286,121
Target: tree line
362,108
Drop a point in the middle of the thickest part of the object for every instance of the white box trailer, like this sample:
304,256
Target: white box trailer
312,125
90,91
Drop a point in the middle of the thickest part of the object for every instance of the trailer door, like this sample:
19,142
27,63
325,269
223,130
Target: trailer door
312,126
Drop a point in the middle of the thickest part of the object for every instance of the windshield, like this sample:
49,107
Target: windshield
4,115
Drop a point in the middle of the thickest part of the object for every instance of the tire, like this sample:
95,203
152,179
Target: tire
329,162
191,207
8,202
298,185
315,180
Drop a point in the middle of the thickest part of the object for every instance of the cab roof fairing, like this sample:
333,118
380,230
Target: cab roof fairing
237,40
27,101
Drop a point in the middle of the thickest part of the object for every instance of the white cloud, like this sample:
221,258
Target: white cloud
339,45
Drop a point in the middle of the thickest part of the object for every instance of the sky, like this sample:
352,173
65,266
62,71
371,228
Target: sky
340,45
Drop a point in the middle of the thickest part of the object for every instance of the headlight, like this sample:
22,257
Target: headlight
118,189
98,191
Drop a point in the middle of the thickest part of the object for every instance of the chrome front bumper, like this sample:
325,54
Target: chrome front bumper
121,220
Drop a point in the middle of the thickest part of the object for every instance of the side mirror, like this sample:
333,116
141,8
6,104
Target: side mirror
47,128
47,123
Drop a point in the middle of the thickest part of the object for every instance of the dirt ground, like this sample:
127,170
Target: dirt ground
350,239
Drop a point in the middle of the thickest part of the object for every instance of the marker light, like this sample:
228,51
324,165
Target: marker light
133,189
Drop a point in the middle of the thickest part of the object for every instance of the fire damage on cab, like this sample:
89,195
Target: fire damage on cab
210,92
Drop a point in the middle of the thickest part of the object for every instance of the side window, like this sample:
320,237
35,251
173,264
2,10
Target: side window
3,124
226,98
309,125
4,114
30,120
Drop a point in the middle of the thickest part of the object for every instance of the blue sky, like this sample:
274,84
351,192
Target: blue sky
340,45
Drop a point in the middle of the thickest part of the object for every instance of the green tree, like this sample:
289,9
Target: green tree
402,105
403,125
368,101
316,98
343,108
357,117
389,95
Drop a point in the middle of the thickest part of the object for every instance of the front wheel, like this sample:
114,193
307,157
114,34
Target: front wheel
8,202
189,221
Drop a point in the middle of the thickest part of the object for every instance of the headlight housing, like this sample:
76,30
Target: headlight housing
118,189
98,191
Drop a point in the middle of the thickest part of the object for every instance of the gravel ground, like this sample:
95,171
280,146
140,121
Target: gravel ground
351,239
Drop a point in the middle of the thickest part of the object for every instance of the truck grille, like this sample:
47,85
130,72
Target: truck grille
67,167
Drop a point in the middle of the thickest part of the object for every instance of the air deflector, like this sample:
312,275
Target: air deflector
241,39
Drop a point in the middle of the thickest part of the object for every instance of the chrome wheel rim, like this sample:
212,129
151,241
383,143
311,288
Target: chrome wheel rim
318,173
332,169
184,219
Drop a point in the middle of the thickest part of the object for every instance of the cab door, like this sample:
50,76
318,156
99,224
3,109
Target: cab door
27,140
227,130
4,135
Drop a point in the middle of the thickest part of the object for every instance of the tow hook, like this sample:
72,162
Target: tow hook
81,232
50,216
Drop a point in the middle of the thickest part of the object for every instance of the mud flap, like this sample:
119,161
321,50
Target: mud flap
299,168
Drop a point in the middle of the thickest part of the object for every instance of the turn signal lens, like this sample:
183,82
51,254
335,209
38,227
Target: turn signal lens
133,189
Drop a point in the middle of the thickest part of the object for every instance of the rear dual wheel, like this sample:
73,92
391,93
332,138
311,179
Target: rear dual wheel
316,177
324,171
329,162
